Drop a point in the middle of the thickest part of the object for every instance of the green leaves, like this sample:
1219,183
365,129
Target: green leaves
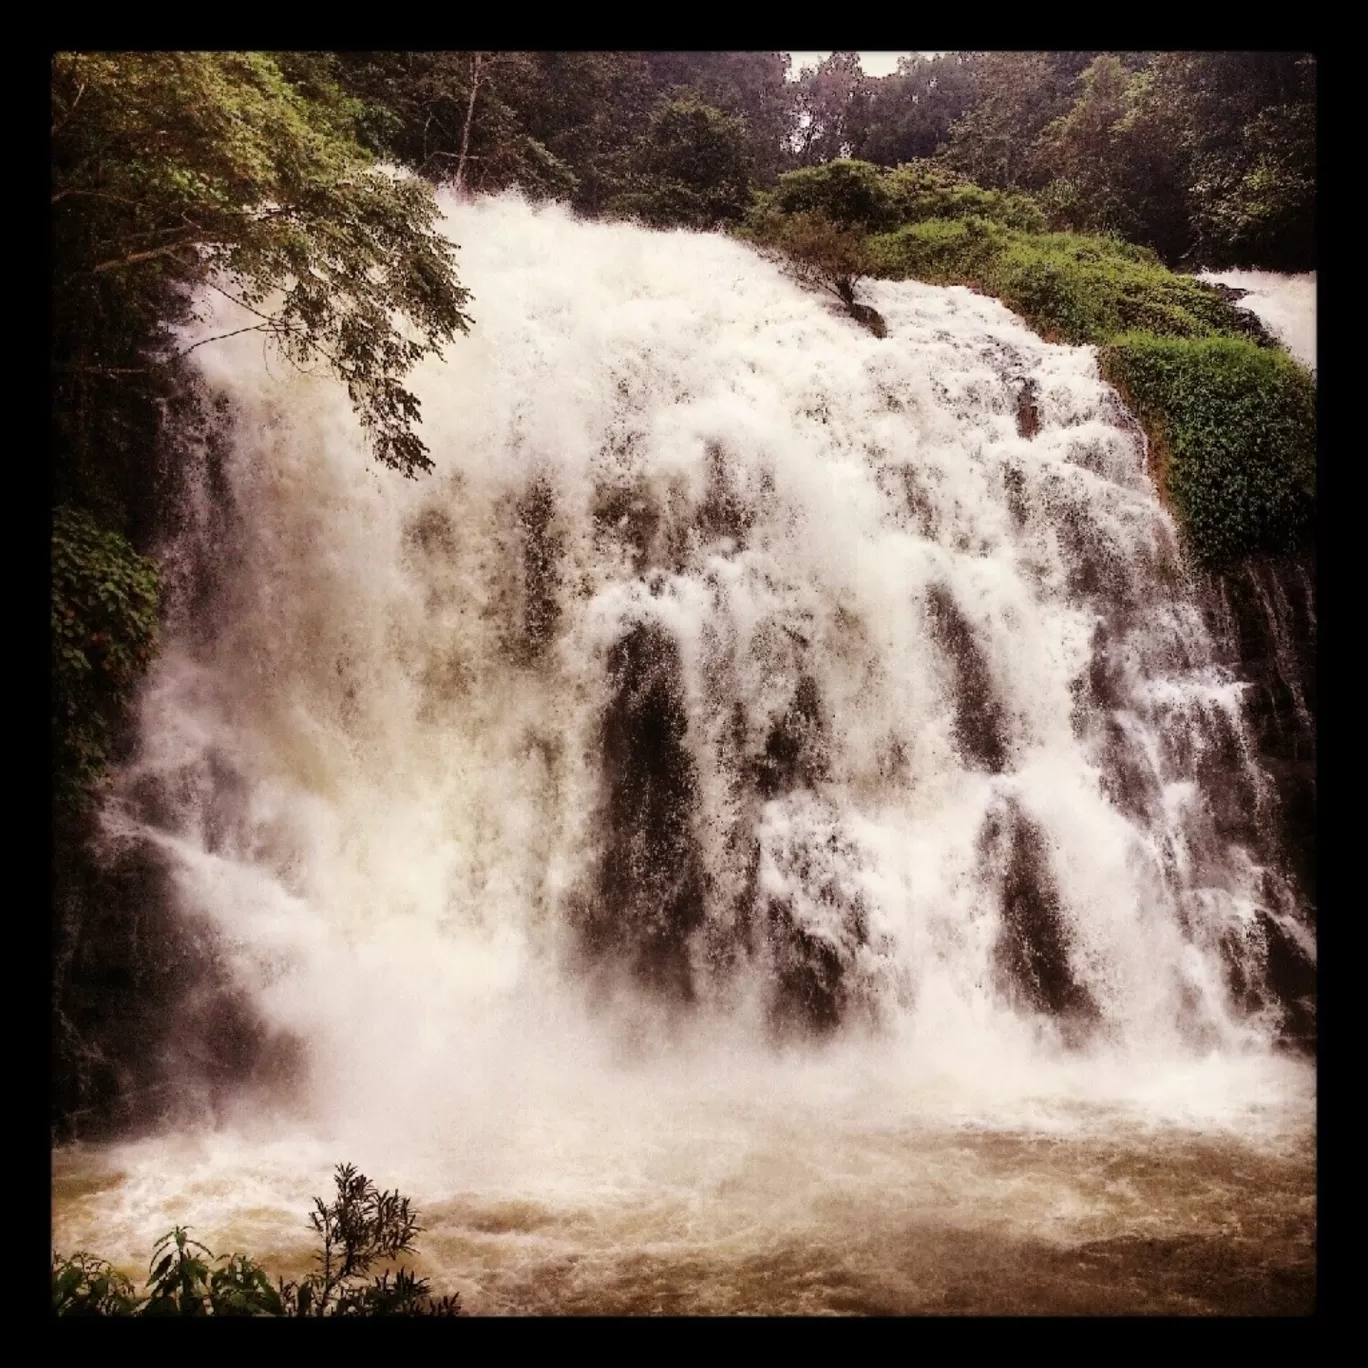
361,1227
187,169
691,167
86,1286
939,251
926,190
851,194
1239,425
178,1276
182,1282
104,625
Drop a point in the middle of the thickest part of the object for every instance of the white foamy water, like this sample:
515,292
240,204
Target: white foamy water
731,649
1284,304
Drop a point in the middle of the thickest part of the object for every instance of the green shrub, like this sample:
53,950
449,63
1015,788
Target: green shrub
939,251
1090,289
849,193
362,1226
86,1286
1231,421
1075,288
1236,426
922,190
104,626
816,250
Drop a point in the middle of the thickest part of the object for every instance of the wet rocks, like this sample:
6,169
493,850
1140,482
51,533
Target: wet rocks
1032,952
649,895
1028,409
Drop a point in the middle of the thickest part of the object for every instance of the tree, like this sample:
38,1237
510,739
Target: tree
181,171
830,106
820,252
1018,94
589,109
1253,138
1076,152
750,86
910,113
690,167
458,116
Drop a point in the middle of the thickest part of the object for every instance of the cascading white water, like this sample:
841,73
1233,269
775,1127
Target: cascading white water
743,776
1284,304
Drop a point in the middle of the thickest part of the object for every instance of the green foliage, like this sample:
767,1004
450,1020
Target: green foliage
1206,155
830,110
1075,288
752,87
362,1226
86,1286
183,1282
422,114
817,251
938,251
1089,289
910,113
690,168
1260,205
924,190
1237,424
852,194
1017,95
104,626
1212,152
176,170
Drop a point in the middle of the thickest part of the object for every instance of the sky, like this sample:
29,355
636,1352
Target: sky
871,63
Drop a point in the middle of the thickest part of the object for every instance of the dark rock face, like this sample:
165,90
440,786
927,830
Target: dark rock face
1028,409
1032,954
811,990
723,514
1241,317
148,1025
811,940
862,313
1262,616
979,724
795,750
649,895
541,548
1291,978
869,318
1267,967
815,933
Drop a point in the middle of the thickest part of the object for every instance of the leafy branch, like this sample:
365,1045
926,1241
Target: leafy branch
361,1227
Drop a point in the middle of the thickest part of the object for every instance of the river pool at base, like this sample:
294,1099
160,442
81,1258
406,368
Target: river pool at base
754,1213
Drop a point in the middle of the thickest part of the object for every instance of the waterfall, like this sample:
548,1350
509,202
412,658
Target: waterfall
745,704
1284,304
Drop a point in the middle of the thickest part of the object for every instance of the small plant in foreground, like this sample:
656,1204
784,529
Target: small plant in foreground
361,1227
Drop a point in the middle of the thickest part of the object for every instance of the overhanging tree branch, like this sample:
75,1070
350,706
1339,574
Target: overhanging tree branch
169,250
